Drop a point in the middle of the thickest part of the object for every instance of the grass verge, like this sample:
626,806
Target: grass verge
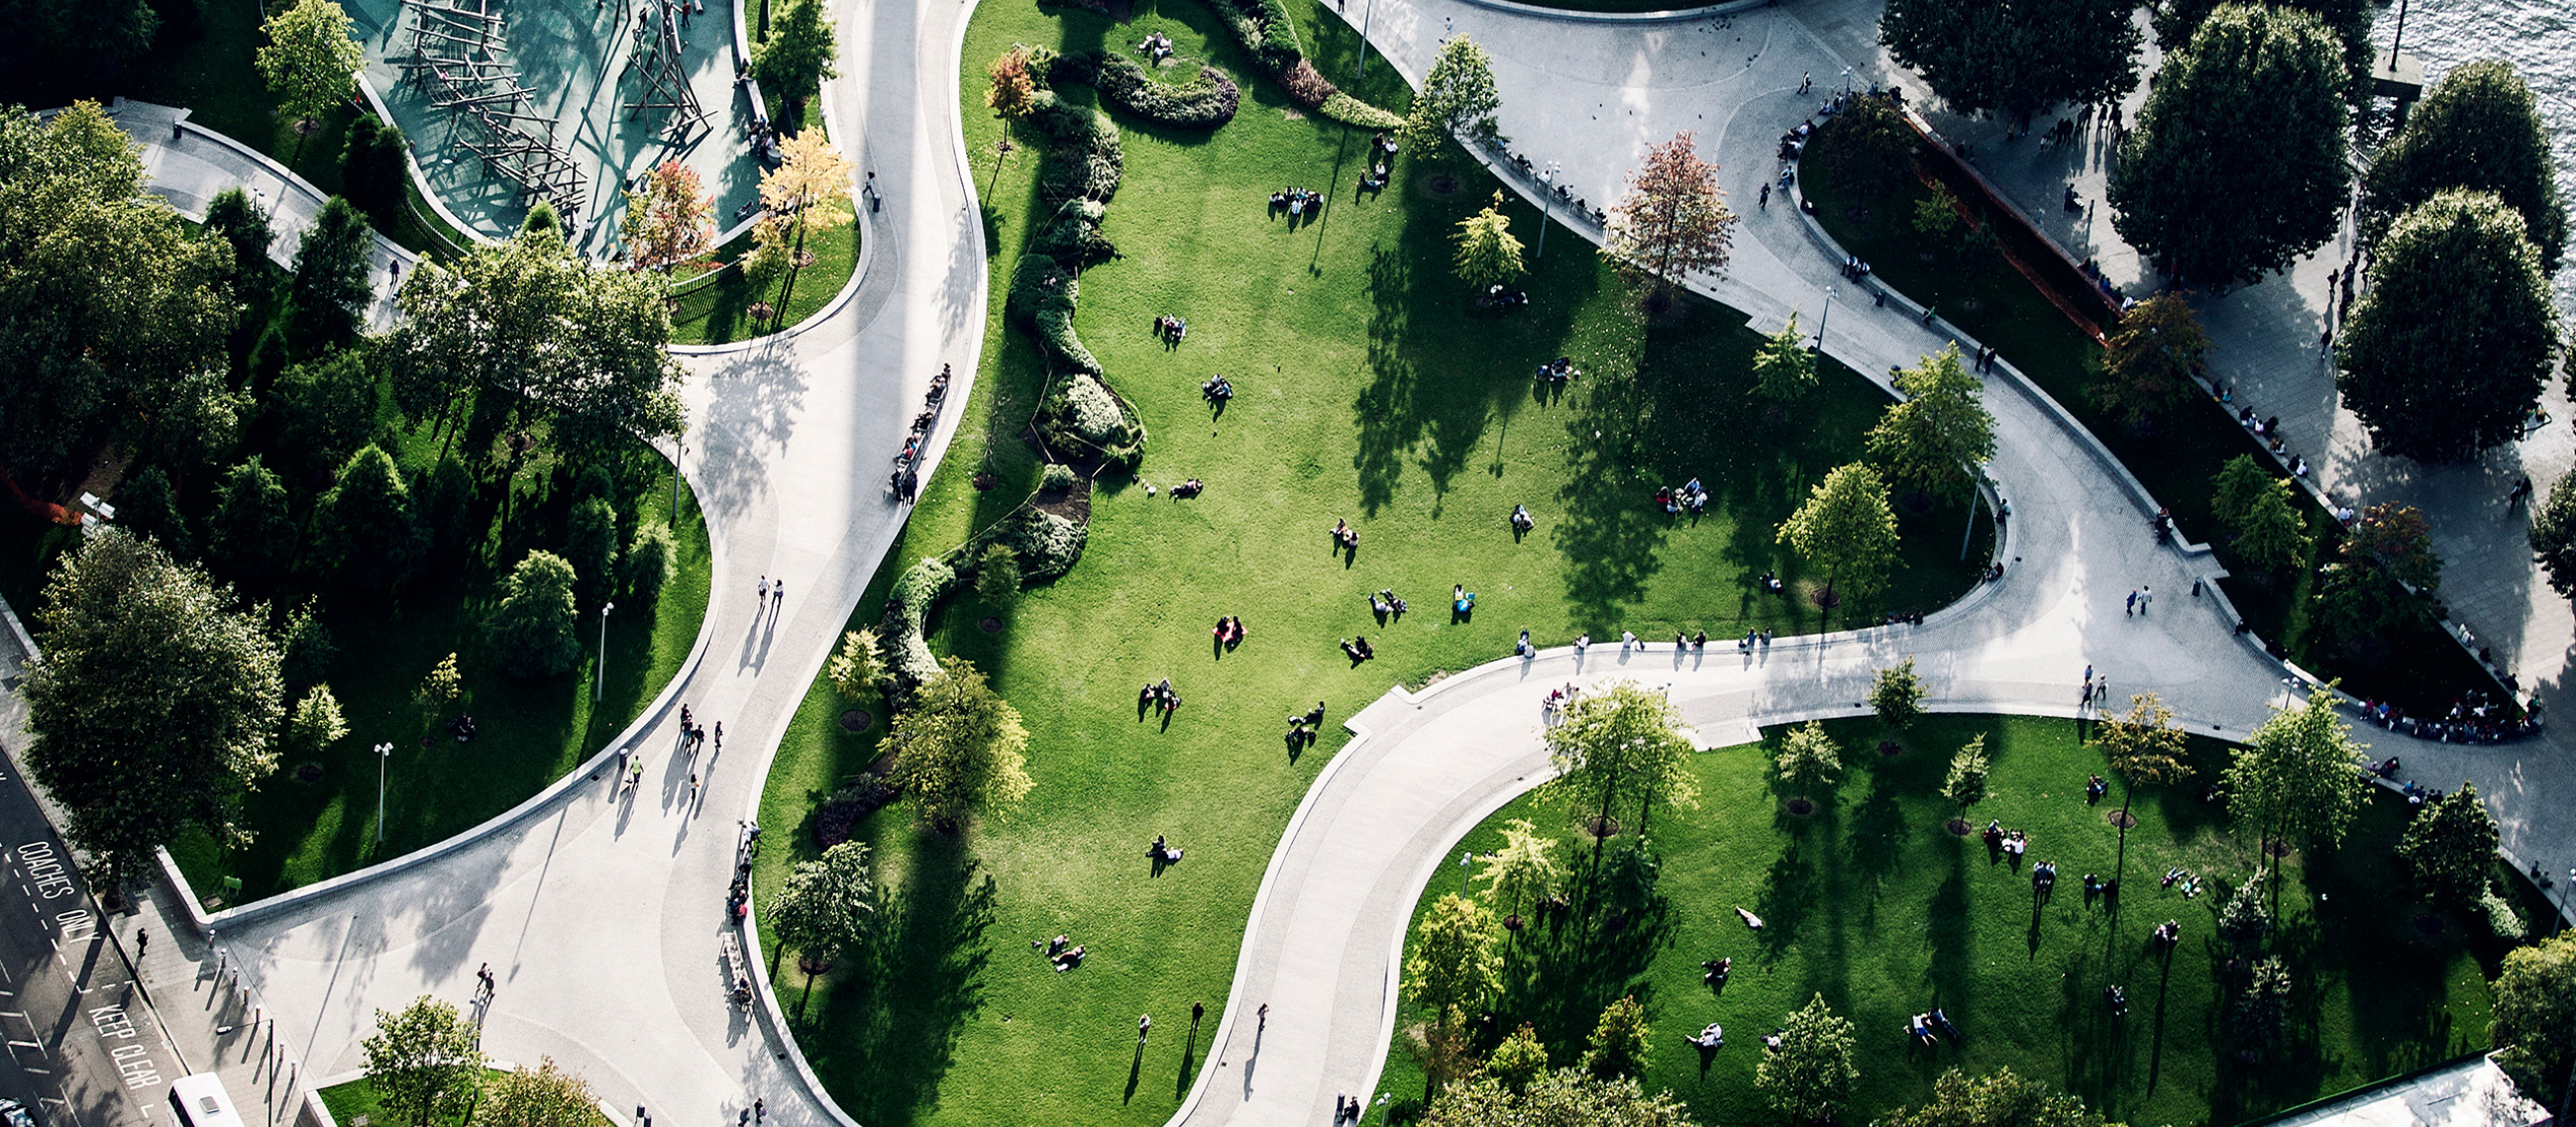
713,308
1871,901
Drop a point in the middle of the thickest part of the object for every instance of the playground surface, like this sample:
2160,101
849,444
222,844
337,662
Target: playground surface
577,129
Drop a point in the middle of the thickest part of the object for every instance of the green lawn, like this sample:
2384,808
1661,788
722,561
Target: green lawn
1412,415
2176,454
358,1098
710,310
1871,901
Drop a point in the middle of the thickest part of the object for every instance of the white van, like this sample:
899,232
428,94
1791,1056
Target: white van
202,1102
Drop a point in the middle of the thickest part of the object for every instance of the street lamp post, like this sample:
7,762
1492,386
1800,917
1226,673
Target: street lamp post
1546,207
1466,858
600,691
1366,18
384,753
675,482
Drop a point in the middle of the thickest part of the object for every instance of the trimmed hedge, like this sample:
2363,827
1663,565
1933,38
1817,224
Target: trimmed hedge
1348,110
1074,233
1044,296
909,661
1086,159
1048,545
1083,414
1203,104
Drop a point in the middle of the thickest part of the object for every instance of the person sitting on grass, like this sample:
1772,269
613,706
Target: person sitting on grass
1919,1027
1355,653
1709,1039
1522,521
1717,971
1750,920
1069,958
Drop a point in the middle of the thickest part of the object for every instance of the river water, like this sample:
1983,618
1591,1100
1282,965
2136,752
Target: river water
2539,38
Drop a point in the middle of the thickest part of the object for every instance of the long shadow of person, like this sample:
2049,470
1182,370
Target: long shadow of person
1135,1071
2034,925
1707,1056
1144,700
1189,1057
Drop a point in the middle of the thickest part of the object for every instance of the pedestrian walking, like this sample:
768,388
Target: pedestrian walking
764,592
1261,1017
1448,28
778,593
2088,676
1806,81
1197,1010
2145,595
1766,194
1144,1025
142,943
719,735
2132,606
759,1110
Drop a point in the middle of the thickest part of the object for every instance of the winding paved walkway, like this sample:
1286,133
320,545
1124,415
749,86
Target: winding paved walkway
601,915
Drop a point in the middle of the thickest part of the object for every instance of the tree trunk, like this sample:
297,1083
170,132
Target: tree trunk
2120,867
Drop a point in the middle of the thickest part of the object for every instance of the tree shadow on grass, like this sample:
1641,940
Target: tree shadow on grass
1571,964
888,1034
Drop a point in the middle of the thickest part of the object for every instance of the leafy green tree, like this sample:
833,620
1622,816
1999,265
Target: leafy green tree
590,546
2480,129
327,292
425,1062
304,645
958,749
1896,694
997,574
1935,438
2450,848
232,217
2150,358
1519,1061
583,347
1488,255
75,37
671,220
1455,961
1965,784
310,62
1996,1099
826,908
2553,535
2384,575
150,702
443,496
812,179
2262,1006
1810,1077
1620,1044
1847,528
650,562
1869,146
2446,353
2299,776
1522,872
1809,758
2257,506
545,1096
324,410
250,538
1566,1096
2535,1005
2237,165
1988,57
1673,221
113,317
2176,21
364,530
443,684
1618,744
148,507
2142,746
1936,215
2243,921
316,723
534,629
856,670
797,57
1783,370
1458,98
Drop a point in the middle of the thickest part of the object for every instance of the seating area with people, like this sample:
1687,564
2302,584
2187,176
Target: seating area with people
1297,203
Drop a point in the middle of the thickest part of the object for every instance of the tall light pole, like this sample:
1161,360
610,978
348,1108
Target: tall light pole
1466,858
1546,207
600,692
1365,18
675,483
384,753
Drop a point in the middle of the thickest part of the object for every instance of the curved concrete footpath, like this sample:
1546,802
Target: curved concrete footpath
603,917
1328,925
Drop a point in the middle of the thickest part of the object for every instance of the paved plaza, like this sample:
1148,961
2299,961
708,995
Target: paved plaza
602,916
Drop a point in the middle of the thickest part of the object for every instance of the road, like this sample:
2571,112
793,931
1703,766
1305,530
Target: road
84,1049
